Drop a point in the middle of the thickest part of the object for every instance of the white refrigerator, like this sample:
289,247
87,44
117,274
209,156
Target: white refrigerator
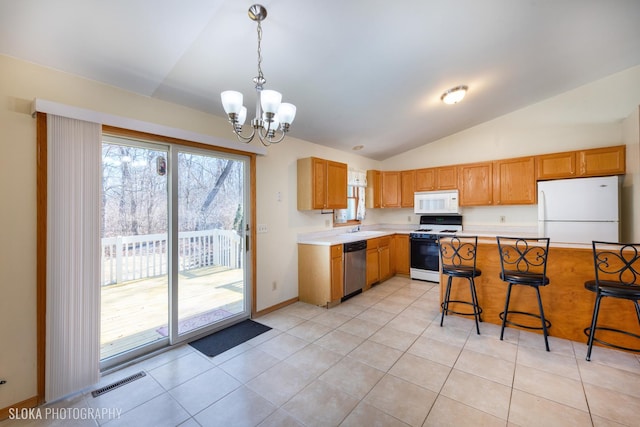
579,210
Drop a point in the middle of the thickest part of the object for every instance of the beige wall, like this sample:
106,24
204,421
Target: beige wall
20,83
589,116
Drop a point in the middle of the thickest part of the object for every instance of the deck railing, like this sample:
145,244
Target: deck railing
126,258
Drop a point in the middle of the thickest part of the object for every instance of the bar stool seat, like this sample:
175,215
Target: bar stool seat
524,262
458,259
617,266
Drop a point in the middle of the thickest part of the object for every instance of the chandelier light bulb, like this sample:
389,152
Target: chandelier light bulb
231,101
286,113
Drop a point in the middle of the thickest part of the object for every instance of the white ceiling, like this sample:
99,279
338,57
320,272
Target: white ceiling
367,72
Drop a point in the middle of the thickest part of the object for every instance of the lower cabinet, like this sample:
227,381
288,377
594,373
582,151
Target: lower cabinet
373,262
320,274
379,260
401,253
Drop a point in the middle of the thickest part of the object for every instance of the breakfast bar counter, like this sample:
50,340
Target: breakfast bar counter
567,304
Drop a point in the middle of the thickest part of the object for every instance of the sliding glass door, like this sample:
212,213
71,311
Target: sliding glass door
173,245
211,225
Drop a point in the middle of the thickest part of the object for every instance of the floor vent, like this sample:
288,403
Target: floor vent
124,381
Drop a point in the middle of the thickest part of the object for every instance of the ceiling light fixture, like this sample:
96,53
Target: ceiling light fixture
454,95
273,117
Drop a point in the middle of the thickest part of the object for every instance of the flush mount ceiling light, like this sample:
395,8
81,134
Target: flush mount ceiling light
273,117
454,95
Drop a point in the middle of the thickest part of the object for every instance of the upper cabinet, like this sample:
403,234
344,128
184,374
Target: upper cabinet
475,183
391,189
500,182
374,189
556,165
582,163
322,184
514,181
440,178
602,161
408,187
447,178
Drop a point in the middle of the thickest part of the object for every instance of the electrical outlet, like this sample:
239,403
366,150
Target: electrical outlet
327,223
274,285
503,219
409,218
262,228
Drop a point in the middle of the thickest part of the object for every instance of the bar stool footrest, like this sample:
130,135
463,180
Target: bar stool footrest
587,332
475,311
523,313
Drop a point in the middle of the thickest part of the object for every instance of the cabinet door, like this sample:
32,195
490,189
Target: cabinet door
407,179
602,161
384,252
514,181
336,185
374,189
337,277
475,182
557,165
426,179
391,189
446,178
319,180
401,253
373,264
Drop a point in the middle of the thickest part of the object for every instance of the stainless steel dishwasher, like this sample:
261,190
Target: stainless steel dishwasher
355,267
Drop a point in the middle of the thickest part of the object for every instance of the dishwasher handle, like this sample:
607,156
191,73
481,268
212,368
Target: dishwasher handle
355,246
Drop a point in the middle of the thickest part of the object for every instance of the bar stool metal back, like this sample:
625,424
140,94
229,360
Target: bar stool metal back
524,262
458,259
617,275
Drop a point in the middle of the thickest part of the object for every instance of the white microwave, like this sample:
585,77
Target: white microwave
436,202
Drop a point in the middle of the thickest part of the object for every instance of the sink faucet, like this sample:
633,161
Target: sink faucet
355,229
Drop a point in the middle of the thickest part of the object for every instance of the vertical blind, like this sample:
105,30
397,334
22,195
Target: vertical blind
73,256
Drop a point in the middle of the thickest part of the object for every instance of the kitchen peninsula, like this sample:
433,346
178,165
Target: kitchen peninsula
567,304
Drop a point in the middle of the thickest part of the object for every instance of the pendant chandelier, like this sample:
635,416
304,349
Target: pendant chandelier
273,117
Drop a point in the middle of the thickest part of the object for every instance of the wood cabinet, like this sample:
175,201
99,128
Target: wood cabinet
401,253
374,189
447,178
426,179
384,251
322,184
582,163
390,189
556,165
514,181
407,182
379,260
475,183
337,272
320,274
439,178
373,263
602,161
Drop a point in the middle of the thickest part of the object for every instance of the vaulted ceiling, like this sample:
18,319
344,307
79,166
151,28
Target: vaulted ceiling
361,72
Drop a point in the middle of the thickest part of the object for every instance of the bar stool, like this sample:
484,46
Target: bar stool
617,266
458,259
524,262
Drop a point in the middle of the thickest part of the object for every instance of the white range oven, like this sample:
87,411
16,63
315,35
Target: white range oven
425,254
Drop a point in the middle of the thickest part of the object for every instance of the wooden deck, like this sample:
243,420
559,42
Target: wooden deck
135,312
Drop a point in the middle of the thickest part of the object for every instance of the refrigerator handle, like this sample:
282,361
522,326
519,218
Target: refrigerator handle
541,216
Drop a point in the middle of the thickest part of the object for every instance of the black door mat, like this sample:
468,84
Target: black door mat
223,340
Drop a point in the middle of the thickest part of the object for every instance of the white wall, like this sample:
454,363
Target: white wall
587,117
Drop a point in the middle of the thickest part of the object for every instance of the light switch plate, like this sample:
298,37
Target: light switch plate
262,228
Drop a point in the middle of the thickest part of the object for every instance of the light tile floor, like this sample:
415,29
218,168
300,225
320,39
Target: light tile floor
378,359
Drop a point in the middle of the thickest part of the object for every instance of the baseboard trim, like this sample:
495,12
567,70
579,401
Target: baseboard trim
275,307
32,402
